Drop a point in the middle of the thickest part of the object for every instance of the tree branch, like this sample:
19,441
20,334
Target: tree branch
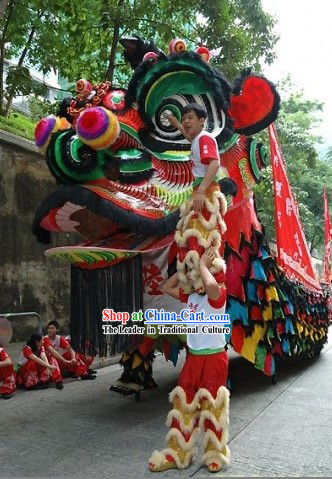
21,60
2,55
115,39
155,22
312,242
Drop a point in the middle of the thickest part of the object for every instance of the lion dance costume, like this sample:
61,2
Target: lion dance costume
200,401
124,174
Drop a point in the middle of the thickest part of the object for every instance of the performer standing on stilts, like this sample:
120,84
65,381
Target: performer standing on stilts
201,400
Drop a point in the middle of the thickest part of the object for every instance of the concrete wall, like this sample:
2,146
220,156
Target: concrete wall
28,281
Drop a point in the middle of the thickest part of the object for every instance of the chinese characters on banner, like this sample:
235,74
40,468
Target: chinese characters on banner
328,237
293,252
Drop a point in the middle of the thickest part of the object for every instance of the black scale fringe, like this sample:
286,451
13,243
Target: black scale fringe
118,287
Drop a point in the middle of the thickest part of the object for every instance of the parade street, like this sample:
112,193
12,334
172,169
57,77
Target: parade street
86,430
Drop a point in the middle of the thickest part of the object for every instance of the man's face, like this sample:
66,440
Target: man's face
51,330
192,124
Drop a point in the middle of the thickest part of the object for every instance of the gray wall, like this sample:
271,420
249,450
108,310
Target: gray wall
28,281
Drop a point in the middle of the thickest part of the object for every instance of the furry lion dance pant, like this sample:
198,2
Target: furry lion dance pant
200,404
195,233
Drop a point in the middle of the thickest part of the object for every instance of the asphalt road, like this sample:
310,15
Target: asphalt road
86,430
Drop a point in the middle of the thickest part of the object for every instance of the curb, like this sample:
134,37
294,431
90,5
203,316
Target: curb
104,362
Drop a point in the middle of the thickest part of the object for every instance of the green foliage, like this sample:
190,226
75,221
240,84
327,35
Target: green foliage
40,107
244,32
80,39
29,34
20,82
19,125
306,172
328,154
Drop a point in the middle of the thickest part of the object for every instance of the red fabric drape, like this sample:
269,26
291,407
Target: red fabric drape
293,252
328,237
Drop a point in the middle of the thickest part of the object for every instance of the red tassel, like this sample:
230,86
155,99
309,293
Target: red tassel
261,292
280,328
255,313
268,364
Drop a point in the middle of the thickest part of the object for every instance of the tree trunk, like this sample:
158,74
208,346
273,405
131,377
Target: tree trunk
116,36
111,65
2,54
20,62
314,243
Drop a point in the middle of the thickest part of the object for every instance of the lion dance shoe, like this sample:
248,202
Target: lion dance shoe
183,422
214,420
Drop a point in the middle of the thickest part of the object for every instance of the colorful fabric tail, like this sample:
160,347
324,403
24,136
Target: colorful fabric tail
137,369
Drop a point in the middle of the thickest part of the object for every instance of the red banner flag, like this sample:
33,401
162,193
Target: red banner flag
293,252
328,237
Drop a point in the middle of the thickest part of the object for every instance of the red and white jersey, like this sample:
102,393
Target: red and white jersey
25,353
3,354
59,343
197,303
204,148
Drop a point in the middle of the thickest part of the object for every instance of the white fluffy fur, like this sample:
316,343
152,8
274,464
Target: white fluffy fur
188,269
210,436
179,392
158,457
176,414
218,457
219,424
222,399
184,445
220,454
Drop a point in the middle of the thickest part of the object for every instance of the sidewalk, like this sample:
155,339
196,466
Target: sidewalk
89,431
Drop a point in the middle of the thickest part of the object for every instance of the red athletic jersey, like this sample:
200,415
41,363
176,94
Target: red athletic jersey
204,149
26,352
58,343
204,340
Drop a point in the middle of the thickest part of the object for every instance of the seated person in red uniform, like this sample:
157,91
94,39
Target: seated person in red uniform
200,400
86,358
7,375
33,368
59,351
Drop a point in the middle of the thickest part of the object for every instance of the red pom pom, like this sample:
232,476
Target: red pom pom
177,45
150,56
204,53
83,86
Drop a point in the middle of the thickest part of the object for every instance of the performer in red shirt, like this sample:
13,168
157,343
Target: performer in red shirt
7,375
201,224
33,368
86,358
59,351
